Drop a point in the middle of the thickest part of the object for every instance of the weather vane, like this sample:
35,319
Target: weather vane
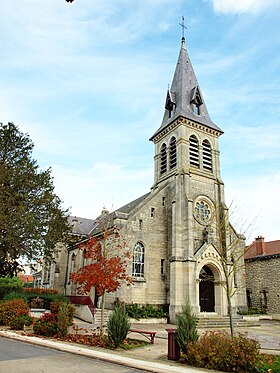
183,27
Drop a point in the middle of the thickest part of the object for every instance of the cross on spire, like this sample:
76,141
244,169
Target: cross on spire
183,27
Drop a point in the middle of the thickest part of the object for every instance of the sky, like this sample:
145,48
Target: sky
87,81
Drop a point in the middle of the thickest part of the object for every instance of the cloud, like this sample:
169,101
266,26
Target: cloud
242,6
251,144
104,184
257,204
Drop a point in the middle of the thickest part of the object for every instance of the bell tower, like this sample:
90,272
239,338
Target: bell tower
185,121
187,170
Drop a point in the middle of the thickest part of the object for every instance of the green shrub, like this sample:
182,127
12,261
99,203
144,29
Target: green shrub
268,363
46,325
216,350
137,311
19,322
39,291
253,311
118,325
48,295
9,285
65,314
186,328
28,285
55,306
16,295
12,309
63,321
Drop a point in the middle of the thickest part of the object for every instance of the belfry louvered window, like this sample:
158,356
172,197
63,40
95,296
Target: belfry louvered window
173,153
206,155
194,154
138,260
163,159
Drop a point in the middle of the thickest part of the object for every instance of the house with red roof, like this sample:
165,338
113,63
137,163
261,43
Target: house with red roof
262,262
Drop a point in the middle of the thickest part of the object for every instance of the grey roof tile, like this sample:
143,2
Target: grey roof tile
184,87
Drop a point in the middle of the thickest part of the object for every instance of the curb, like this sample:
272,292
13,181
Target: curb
116,359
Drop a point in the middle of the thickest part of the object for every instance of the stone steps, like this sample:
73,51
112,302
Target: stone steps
213,322
97,316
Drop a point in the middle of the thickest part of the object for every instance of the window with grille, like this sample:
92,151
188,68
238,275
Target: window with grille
138,260
194,154
173,153
207,155
163,159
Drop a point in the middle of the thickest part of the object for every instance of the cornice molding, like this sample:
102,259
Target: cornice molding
188,123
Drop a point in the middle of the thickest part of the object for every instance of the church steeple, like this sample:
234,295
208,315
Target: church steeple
184,98
187,140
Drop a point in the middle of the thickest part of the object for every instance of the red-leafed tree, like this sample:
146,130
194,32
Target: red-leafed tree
107,253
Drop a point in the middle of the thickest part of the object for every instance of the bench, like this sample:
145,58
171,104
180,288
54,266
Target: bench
149,335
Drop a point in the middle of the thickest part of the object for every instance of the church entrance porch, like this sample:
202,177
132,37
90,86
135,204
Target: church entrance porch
206,290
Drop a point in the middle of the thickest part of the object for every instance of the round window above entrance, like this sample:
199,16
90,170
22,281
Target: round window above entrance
202,212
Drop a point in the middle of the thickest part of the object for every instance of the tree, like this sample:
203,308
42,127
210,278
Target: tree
32,220
186,328
118,325
108,261
232,250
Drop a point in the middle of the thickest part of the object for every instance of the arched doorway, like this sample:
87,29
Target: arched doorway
206,290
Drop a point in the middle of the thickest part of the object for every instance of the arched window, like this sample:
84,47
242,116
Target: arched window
72,265
194,155
84,260
173,153
206,155
163,159
138,260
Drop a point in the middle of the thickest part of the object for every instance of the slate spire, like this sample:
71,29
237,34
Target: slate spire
184,97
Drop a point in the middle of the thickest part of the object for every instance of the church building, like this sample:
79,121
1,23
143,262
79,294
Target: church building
179,232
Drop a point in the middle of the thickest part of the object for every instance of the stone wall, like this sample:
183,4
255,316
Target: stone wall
263,281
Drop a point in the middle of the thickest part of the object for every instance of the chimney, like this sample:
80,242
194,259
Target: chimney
104,211
74,224
260,245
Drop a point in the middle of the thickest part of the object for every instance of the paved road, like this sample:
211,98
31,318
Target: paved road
19,357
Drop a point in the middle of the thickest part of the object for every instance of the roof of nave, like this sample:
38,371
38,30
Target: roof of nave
131,205
81,225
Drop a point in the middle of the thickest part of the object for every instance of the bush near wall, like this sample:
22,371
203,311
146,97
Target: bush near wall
57,322
15,313
46,325
48,296
10,284
216,350
39,291
137,311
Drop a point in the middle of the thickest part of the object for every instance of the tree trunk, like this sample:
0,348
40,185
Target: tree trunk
230,314
102,326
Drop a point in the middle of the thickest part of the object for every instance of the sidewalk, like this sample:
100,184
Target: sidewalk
153,357
267,334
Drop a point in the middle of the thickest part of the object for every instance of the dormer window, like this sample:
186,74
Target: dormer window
196,109
196,100
170,104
